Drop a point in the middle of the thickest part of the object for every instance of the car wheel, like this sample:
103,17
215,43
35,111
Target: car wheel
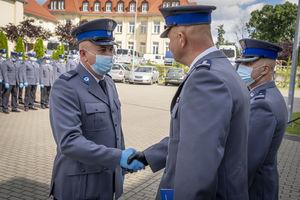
166,83
151,82
123,80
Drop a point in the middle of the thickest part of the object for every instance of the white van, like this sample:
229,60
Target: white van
126,56
154,58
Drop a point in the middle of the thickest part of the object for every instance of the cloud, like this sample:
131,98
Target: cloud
234,14
292,1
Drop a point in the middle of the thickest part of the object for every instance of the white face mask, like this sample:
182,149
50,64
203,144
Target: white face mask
3,55
33,59
20,58
61,60
48,61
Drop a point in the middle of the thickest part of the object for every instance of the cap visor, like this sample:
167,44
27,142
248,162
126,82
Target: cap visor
103,42
165,33
244,59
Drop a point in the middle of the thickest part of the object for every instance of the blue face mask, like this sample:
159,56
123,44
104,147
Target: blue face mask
245,73
103,64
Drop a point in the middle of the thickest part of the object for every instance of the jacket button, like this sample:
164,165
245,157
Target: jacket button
82,170
116,125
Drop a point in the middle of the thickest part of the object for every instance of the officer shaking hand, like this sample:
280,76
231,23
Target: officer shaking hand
205,156
85,116
268,116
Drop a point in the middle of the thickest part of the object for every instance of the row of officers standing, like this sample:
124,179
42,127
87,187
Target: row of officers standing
17,74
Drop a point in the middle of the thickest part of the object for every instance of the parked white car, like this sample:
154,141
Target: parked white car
120,72
144,74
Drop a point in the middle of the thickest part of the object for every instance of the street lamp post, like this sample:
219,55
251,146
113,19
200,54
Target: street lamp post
134,36
294,67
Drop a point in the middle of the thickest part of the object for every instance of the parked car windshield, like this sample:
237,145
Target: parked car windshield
115,67
175,70
143,69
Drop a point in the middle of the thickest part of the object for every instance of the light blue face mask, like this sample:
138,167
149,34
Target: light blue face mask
245,73
103,64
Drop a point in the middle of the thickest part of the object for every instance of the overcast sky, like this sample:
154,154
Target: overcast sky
232,13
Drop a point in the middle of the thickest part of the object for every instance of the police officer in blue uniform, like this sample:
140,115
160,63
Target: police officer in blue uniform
59,67
205,156
268,116
30,81
2,59
10,77
85,116
20,65
72,62
46,81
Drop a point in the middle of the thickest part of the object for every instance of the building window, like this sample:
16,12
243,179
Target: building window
131,27
143,47
155,48
143,28
167,47
120,7
97,6
175,3
108,6
156,28
144,7
132,7
85,6
130,45
53,5
119,44
166,4
119,27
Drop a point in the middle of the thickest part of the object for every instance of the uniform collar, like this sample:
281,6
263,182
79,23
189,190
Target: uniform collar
254,91
97,80
201,55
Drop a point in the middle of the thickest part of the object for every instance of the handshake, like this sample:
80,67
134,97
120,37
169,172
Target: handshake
132,160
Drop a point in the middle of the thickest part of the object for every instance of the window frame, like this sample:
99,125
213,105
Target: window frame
106,6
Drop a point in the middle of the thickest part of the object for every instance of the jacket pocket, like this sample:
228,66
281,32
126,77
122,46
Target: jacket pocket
97,116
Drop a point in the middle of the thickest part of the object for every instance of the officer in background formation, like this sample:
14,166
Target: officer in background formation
10,78
59,67
30,82
37,76
205,156
85,116
72,61
2,59
268,116
46,81
20,65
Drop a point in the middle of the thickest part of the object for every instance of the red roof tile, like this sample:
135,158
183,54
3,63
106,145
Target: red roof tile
75,6
35,9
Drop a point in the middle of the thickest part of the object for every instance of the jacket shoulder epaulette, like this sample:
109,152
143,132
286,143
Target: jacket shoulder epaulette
68,75
204,64
260,95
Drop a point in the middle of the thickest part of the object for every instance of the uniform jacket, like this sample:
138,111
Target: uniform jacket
1,76
58,69
36,71
46,76
71,64
9,72
268,119
20,67
29,73
86,126
205,156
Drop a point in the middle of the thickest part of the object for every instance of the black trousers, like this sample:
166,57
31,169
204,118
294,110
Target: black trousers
29,98
20,95
1,93
34,93
13,90
45,92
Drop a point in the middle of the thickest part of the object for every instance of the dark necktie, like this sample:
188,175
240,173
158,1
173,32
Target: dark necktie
102,84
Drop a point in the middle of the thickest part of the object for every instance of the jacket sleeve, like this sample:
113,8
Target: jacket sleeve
156,155
65,121
261,131
41,69
24,68
205,117
4,72
1,77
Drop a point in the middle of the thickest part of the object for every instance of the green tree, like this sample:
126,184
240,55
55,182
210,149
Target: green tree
20,47
3,42
273,23
221,33
62,49
39,48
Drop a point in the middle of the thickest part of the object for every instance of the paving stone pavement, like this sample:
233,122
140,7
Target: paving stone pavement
27,148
